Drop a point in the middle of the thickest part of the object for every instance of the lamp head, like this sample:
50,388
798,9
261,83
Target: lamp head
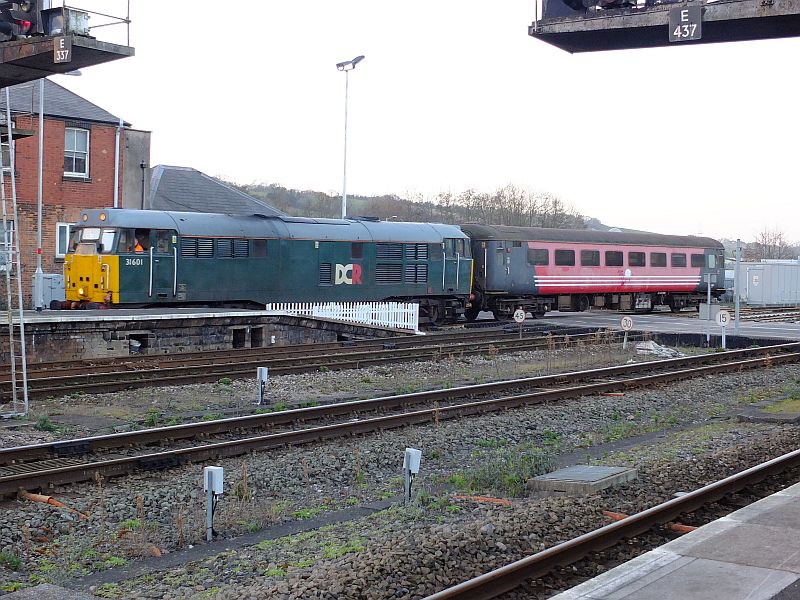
349,65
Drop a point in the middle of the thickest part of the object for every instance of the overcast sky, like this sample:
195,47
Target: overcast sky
453,94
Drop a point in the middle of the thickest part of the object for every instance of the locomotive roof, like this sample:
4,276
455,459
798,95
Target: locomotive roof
526,234
270,226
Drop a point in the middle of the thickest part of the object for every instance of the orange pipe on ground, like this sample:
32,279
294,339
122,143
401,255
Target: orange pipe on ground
49,500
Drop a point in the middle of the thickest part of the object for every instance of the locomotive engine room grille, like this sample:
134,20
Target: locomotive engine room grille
325,274
416,273
188,247
241,248
224,248
416,251
386,251
388,273
205,248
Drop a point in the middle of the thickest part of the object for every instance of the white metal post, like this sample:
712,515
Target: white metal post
708,305
344,177
736,287
38,277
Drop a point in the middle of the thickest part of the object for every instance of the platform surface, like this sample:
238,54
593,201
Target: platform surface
752,554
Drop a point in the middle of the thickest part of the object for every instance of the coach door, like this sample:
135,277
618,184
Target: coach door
163,266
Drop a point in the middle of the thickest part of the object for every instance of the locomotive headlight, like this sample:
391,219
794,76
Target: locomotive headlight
80,291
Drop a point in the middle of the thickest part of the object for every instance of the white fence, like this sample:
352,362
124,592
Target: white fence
395,315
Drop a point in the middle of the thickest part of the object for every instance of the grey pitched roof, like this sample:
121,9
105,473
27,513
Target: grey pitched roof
58,102
187,189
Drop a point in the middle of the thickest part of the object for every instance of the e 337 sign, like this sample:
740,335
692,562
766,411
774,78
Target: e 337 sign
685,24
62,49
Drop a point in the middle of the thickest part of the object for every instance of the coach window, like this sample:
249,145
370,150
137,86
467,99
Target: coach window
658,259
698,260
565,258
678,259
712,261
613,258
357,250
635,259
538,256
259,248
590,258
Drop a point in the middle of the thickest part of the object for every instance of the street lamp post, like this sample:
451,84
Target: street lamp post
346,66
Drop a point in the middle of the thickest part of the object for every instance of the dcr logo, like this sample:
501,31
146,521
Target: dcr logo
348,274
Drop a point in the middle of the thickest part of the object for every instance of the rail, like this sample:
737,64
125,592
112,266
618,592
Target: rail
393,315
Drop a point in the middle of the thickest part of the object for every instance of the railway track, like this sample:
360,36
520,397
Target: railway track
45,465
507,578
58,379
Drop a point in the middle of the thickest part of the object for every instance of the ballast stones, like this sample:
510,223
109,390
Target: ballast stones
581,479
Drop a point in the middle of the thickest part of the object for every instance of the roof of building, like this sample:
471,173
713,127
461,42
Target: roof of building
58,102
187,189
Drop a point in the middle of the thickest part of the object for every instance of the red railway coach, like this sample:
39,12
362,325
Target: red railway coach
574,269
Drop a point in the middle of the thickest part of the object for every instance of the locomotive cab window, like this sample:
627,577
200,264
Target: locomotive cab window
590,258
698,260
538,256
162,242
565,258
94,240
613,258
678,259
658,259
636,259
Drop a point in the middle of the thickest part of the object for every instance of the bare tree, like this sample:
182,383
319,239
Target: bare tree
769,244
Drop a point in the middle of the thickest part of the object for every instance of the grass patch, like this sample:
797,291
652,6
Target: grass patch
306,513
275,572
45,424
334,550
507,472
10,561
226,381
789,405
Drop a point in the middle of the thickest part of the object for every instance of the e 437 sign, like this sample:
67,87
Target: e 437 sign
685,24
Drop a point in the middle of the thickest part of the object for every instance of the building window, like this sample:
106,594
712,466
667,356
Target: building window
63,231
6,158
76,152
6,245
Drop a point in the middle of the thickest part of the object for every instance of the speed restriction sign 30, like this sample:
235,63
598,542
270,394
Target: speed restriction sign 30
626,323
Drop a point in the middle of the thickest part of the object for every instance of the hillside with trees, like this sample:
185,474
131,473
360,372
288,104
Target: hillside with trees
508,205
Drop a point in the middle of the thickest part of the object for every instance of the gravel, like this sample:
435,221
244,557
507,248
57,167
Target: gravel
404,552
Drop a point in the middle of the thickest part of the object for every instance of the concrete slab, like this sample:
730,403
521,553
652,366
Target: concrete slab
581,479
783,510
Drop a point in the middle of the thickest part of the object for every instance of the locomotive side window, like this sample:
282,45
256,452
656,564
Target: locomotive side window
106,245
565,258
613,258
636,259
459,246
357,250
259,248
658,259
590,258
678,259
698,260
538,256
162,241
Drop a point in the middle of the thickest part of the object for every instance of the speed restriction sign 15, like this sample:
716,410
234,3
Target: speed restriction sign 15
723,318
626,323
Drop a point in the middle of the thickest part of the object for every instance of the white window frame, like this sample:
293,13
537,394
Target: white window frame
4,148
3,247
60,226
85,173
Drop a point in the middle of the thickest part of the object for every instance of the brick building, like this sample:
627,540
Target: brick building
78,170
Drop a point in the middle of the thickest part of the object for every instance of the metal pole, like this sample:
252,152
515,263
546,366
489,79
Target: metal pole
209,509
736,286
38,280
708,305
344,178
9,260
116,165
